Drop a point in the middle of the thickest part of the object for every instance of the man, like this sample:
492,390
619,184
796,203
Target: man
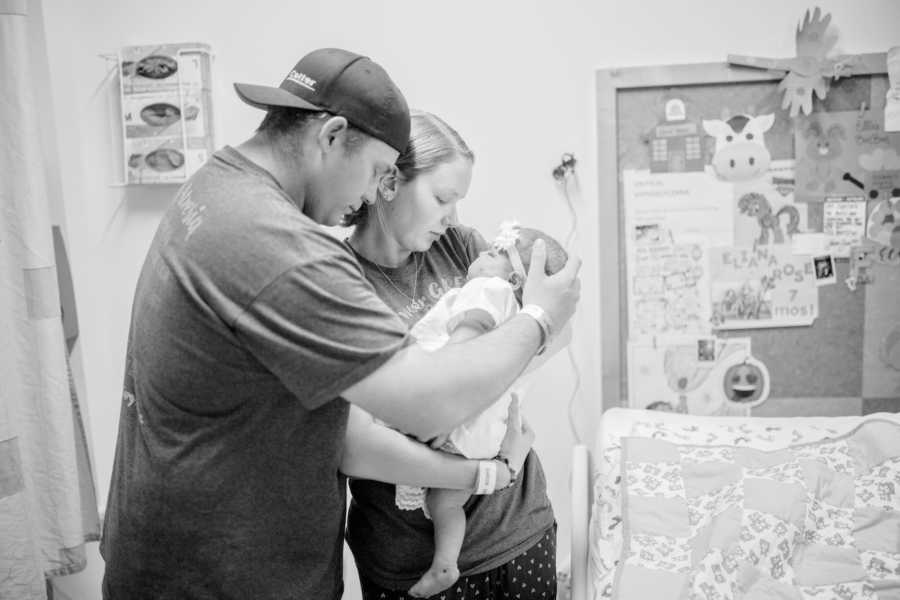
251,329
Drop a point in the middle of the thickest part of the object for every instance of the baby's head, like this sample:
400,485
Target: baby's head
500,260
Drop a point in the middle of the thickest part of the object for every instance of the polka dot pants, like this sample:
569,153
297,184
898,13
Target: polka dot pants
529,576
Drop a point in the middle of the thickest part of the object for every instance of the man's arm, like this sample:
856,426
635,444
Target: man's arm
428,393
559,341
372,451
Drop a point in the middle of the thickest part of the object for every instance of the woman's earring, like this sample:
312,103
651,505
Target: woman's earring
515,280
387,187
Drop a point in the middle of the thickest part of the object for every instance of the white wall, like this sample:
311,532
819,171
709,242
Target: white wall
514,77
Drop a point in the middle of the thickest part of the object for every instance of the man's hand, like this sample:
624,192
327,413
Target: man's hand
557,294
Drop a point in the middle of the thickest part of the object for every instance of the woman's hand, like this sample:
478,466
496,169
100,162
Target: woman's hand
519,437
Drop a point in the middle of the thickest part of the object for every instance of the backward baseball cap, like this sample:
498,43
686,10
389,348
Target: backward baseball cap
342,83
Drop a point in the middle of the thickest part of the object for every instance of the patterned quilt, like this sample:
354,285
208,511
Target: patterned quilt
817,520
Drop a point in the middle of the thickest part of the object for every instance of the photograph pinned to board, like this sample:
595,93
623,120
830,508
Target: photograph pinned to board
832,145
861,264
668,288
762,287
864,258
824,270
696,375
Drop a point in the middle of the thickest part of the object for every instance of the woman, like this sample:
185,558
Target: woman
412,251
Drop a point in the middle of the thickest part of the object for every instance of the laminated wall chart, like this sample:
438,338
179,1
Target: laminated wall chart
166,103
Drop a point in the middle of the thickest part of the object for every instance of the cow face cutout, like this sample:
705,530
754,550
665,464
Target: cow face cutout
741,153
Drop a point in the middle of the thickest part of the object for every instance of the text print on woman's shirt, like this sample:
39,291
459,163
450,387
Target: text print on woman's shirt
434,291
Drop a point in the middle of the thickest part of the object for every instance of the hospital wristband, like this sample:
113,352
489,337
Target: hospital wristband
487,477
540,315
513,472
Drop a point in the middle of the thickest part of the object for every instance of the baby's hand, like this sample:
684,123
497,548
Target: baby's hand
438,442
519,437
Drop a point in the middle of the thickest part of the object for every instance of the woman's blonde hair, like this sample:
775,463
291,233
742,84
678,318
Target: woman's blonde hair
432,143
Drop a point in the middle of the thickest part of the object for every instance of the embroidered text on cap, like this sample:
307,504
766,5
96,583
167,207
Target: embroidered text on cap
302,79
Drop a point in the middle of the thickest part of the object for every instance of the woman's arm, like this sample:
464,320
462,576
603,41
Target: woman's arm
373,451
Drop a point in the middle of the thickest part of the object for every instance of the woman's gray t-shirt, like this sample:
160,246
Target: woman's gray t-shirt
393,547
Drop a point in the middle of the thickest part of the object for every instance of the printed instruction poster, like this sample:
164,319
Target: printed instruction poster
763,287
683,203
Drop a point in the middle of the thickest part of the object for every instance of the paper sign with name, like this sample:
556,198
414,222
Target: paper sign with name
844,224
765,287
668,285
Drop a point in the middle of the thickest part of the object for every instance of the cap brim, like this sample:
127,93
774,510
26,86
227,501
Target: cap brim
264,96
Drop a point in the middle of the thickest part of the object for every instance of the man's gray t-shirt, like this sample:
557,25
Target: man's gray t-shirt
249,320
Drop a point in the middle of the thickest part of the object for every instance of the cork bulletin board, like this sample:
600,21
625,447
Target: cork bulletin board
836,364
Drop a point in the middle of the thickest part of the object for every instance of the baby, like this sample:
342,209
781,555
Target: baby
492,295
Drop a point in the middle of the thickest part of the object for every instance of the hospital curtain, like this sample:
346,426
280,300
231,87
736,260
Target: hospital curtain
48,508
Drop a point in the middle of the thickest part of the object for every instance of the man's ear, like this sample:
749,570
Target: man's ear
515,280
333,130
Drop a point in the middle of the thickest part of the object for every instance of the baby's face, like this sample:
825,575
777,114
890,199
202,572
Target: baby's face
490,263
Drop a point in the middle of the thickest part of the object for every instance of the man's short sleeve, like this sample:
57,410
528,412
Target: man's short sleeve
320,327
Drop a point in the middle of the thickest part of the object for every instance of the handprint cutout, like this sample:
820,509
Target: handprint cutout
808,73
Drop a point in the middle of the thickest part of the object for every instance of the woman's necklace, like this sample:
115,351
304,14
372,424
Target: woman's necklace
415,286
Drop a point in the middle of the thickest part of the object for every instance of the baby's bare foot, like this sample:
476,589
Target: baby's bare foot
437,579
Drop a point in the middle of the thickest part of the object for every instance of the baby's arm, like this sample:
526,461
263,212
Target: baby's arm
373,451
464,332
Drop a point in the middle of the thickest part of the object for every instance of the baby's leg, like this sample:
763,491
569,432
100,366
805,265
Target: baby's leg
446,507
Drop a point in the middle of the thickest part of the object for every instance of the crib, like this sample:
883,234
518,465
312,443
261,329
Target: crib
669,505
